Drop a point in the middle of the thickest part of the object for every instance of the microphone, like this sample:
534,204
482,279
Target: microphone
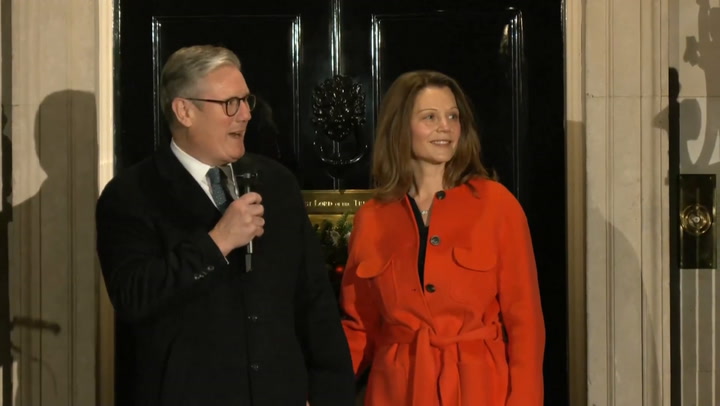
247,180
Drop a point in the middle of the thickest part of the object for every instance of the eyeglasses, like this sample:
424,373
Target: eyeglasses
231,105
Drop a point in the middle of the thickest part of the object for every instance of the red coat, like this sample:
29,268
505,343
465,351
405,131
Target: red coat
442,344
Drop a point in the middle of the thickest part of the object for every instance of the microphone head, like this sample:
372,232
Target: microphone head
246,172
247,176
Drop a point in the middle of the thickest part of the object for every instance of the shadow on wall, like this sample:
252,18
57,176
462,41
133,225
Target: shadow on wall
679,157
623,274
686,116
698,152
66,146
704,52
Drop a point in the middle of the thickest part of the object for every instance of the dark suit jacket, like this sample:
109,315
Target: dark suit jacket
206,332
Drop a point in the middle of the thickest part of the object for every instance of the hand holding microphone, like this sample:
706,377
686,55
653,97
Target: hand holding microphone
246,179
242,221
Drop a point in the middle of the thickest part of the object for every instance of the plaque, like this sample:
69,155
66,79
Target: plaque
332,204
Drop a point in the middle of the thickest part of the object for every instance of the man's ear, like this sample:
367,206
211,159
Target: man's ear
183,111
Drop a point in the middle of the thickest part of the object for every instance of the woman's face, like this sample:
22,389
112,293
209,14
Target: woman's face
435,125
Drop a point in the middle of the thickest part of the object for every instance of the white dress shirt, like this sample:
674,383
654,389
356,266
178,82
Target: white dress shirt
198,170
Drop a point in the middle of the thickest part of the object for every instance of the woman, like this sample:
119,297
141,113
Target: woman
440,290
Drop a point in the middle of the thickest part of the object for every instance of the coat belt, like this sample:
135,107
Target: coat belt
425,381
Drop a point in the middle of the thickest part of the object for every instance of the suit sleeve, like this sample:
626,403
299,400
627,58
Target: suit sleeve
360,313
521,309
331,380
143,277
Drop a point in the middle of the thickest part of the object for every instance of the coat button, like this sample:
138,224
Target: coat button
255,367
430,288
210,268
440,195
253,318
435,240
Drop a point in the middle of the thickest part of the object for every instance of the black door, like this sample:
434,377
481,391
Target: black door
507,54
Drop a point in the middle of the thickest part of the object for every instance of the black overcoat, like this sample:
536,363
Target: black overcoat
204,331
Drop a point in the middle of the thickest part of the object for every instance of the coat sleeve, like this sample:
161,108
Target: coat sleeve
520,307
143,277
331,380
360,313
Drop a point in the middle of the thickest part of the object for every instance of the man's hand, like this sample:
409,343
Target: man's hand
241,222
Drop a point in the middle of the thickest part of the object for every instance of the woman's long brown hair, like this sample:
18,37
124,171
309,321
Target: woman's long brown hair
392,153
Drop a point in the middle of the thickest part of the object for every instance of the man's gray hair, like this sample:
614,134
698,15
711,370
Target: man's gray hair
184,69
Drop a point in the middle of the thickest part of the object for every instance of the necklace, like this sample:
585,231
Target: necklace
424,212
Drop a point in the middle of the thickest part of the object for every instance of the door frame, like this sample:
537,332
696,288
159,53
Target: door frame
105,368
573,25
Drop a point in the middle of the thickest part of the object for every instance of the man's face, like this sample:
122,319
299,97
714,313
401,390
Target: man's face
213,137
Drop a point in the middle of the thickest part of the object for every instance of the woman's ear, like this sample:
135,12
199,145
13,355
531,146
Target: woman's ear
183,111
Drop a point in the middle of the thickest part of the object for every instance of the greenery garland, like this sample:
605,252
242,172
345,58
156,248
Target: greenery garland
334,237
334,240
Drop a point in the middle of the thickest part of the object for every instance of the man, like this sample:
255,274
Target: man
172,244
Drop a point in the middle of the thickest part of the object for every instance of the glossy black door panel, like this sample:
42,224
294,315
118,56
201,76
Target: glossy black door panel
283,47
274,78
482,51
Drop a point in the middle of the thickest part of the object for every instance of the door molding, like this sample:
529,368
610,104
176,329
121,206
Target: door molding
573,20
106,163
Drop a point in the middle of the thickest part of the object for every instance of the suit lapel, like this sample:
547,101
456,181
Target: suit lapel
184,193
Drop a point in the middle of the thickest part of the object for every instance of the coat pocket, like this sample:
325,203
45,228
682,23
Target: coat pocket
483,258
372,267
380,275
474,274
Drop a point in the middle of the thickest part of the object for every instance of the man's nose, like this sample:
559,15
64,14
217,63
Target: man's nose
243,113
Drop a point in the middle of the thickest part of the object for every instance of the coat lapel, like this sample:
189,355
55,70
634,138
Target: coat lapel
184,194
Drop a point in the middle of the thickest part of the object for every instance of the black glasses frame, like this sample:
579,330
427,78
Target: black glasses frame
249,99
